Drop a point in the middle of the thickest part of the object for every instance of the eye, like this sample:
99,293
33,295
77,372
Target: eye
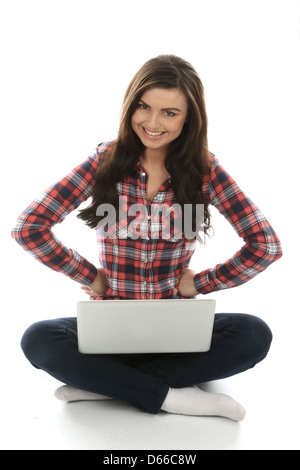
170,113
142,106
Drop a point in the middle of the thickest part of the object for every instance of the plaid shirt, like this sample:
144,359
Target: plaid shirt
146,267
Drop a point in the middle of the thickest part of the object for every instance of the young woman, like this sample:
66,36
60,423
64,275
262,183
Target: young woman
160,156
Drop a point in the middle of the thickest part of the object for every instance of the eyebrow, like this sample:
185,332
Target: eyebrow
163,109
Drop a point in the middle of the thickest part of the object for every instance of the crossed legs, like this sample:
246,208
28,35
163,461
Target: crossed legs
151,382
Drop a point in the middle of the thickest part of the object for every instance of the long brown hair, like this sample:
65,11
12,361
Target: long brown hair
188,158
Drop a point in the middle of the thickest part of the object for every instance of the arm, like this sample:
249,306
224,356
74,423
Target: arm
33,227
262,246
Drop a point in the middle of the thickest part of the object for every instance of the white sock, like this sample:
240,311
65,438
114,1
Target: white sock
193,401
67,393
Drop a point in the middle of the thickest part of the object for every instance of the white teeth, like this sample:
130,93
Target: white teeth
154,134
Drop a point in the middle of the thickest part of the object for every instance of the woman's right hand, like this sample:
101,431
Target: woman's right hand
97,288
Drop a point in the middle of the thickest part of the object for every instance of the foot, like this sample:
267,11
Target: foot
193,401
67,393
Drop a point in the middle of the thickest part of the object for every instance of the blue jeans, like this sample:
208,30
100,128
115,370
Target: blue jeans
239,342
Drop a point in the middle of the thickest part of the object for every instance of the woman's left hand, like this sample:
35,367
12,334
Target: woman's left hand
186,286
97,288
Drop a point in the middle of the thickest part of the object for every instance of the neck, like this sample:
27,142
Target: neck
154,158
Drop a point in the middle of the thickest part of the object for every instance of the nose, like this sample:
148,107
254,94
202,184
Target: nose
153,122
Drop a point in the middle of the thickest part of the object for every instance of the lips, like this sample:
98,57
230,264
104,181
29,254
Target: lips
152,134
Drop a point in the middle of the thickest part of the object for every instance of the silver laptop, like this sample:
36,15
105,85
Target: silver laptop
145,326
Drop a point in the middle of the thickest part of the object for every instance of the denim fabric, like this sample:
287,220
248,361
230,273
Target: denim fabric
239,342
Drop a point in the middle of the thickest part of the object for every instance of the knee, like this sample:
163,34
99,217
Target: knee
257,336
34,341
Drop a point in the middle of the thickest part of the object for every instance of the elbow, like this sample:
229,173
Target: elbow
279,251
29,231
17,235
268,250
274,250
19,232
15,231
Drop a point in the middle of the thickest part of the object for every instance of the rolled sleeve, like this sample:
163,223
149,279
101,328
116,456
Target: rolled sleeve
261,244
33,229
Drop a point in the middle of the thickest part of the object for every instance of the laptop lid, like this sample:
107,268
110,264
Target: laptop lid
145,326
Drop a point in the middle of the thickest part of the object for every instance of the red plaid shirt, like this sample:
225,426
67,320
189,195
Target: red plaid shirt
146,267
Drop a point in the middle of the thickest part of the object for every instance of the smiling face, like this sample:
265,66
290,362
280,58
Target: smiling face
160,117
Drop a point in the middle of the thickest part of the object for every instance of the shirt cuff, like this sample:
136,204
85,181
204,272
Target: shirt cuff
203,284
87,274
80,270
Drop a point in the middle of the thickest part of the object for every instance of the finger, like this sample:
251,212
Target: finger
87,291
90,294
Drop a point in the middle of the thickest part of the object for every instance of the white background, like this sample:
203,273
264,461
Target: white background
65,66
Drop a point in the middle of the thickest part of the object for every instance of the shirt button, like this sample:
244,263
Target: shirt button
143,174
149,217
